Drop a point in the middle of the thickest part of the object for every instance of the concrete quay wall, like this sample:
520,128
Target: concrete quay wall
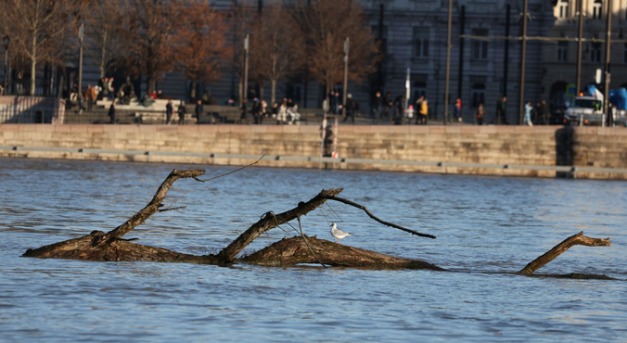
539,151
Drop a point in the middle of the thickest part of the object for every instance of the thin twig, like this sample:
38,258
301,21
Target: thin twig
307,243
365,209
232,171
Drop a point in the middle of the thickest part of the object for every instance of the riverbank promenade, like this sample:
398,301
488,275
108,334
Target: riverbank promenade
538,151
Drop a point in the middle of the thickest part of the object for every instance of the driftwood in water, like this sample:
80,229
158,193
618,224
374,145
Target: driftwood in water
302,250
577,239
110,246
299,250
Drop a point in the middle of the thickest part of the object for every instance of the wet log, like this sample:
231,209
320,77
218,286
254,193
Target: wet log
110,246
304,250
100,246
270,220
577,239
83,248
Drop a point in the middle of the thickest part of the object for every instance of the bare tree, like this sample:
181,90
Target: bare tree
106,22
327,24
242,23
200,44
278,48
39,31
149,38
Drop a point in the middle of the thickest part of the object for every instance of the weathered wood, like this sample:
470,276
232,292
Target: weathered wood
271,220
152,207
100,246
301,250
577,239
117,250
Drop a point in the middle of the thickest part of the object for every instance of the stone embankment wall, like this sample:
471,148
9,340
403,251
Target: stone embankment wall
544,151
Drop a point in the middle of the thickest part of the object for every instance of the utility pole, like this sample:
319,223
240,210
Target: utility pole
6,40
245,81
81,35
579,44
506,55
460,70
523,57
448,60
346,50
407,88
608,53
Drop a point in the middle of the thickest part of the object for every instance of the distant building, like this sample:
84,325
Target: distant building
485,54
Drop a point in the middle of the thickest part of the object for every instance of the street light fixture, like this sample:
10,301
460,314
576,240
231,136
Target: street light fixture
7,41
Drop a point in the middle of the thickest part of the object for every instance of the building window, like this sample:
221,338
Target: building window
478,94
421,42
597,9
563,8
479,48
418,88
562,51
594,52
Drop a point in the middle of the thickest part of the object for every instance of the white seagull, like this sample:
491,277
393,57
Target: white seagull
337,233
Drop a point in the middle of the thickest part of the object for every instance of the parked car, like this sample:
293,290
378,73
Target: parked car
586,110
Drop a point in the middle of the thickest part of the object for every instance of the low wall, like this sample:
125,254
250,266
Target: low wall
31,109
543,151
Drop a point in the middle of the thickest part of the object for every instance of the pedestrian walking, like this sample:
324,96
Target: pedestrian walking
181,112
169,109
527,118
480,114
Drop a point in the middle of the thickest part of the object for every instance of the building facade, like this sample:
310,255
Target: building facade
578,56
495,50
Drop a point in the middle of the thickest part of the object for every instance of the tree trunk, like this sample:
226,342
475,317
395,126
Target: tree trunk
578,239
311,250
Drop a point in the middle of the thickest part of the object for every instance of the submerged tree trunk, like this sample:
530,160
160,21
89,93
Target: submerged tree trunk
577,239
288,252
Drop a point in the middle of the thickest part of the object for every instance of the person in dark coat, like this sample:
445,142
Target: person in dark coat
181,112
198,111
112,113
168,112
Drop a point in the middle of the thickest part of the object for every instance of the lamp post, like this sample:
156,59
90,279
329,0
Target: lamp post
245,88
523,62
346,50
81,34
7,41
447,70
606,71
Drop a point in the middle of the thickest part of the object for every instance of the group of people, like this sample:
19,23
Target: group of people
538,112
386,108
181,110
285,112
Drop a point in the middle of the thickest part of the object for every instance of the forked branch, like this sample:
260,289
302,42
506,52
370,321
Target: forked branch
577,239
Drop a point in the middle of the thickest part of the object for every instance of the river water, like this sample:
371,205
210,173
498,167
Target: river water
487,228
